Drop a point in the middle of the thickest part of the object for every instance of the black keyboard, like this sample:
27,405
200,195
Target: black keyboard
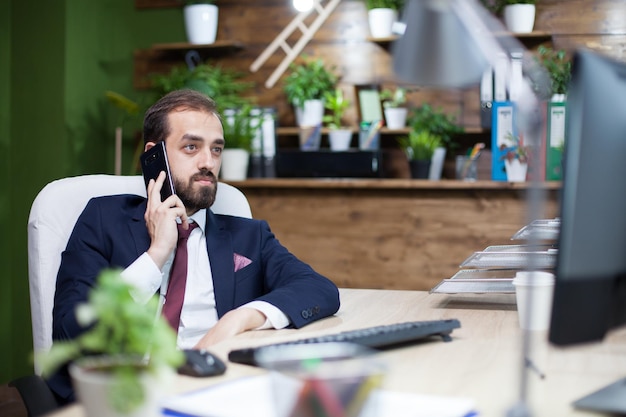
378,337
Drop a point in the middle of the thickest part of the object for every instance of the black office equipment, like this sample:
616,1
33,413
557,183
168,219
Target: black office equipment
590,285
378,337
329,164
201,363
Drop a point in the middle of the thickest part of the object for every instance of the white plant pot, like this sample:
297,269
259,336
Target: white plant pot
436,164
340,139
201,23
311,114
396,117
558,98
92,388
515,170
235,164
381,22
519,18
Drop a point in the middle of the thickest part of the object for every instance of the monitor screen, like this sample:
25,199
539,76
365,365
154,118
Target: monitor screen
590,291
590,285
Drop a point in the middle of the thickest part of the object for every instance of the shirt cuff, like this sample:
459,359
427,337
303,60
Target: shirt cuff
144,276
275,319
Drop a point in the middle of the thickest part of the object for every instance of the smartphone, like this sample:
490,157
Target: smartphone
153,161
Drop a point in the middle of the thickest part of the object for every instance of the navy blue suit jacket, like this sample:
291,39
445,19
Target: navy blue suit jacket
111,232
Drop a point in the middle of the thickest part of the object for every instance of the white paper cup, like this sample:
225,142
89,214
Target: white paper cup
533,291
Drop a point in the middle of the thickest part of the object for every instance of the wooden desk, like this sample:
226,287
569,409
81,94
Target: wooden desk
482,361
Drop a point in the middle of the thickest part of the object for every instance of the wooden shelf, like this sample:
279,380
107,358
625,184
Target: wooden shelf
160,58
215,47
294,130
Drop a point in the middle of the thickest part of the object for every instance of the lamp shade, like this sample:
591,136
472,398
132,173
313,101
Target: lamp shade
436,48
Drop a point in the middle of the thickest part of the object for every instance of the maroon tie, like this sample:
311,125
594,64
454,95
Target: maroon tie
178,278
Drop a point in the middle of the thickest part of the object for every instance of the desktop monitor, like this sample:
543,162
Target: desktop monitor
590,285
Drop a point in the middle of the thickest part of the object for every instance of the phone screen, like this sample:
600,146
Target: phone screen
153,161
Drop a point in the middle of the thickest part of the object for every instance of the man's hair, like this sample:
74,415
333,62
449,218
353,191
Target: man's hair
155,123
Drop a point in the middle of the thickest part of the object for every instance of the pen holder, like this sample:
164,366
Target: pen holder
466,168
310,137
369,136
326,379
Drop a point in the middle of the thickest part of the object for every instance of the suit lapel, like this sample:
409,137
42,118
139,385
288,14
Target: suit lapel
220,248
137,227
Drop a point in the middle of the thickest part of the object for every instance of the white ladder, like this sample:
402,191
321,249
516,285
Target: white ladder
281,40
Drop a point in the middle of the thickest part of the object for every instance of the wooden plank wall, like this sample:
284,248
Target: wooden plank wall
342,42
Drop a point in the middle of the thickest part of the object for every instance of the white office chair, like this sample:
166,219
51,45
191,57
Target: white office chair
52,217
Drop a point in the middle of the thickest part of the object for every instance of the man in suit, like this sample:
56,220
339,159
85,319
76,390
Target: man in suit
239,276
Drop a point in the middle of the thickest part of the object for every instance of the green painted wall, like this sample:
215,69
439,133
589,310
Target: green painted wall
57,58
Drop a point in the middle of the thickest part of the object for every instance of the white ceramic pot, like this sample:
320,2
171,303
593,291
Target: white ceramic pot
519,18
310,114
396,117
515,170
381,21
340,139
235,164
92,390
201,23
436,164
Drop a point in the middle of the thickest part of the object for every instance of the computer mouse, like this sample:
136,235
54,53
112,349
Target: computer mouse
201,363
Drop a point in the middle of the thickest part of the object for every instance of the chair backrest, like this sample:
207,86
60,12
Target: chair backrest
52,217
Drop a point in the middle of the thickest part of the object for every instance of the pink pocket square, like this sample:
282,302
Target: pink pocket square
240,261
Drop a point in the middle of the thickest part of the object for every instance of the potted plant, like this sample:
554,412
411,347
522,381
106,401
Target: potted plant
305,87
121,364
419,147
394,101
201,17
437,122
223,85
515,155
240,128
559,68
382,14
339,136
519,15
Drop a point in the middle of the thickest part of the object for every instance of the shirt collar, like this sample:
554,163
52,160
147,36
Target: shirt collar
199,217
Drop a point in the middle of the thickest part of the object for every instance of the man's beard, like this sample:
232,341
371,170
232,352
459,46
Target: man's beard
200,199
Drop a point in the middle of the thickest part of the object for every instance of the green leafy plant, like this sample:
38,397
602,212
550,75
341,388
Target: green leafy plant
518,150
120,329
240,127
435,121
392,98
223,85
497,6
420,145
309,79
337,104
559,68
384,4
190,2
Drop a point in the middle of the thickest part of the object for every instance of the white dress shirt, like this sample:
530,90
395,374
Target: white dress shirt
199,313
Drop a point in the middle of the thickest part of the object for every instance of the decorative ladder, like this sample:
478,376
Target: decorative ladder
281,40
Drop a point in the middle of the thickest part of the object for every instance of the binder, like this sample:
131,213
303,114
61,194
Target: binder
555,140
500,77
486,98
537,166
503,128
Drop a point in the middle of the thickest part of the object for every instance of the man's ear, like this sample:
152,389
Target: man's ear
148,146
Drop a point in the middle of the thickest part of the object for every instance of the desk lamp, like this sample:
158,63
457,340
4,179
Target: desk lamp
450,44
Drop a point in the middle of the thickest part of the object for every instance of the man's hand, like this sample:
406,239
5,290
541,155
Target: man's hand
160,219
231,324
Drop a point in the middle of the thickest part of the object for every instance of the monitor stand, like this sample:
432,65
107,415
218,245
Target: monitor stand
611,399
